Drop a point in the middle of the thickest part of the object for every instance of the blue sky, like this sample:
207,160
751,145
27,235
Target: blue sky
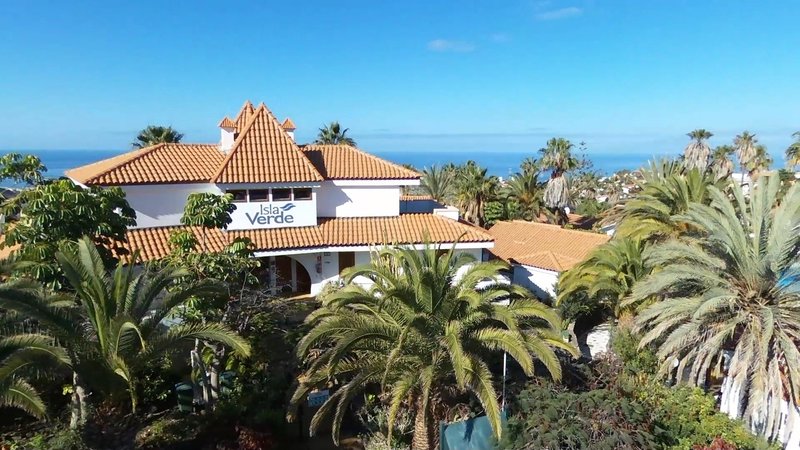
623,76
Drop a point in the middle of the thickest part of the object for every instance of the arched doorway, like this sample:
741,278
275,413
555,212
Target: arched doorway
284,275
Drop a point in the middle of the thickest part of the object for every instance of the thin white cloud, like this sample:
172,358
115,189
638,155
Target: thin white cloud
446,45
561,13
500,38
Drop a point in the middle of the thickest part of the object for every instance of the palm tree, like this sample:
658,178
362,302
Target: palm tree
527,190
473,188
746,144
731,287
653,213
696,154
607,276
761,162
721,164
153,135
333,134
113,329
421,333
793,152
437,181
16,353
558,157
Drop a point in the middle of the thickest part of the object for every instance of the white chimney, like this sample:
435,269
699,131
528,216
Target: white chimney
227,134
288,127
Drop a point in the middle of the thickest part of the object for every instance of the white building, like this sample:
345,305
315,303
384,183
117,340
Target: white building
539,252
310,210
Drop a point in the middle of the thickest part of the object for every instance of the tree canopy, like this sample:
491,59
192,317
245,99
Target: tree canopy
334,134
154,134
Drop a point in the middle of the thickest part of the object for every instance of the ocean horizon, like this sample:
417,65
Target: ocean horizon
499,163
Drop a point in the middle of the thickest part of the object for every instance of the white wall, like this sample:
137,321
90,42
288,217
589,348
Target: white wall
336,200
162,205
329,265
540,281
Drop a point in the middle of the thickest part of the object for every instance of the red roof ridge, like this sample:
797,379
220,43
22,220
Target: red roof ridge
262,109
247,109
226,122
99,172
555,258
412,173
288,125
124,159
551,225
242,133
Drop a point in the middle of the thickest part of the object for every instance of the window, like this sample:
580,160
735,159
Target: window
239,195
302,193
259,195
281,195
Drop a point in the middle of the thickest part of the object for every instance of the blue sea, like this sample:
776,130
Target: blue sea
496,162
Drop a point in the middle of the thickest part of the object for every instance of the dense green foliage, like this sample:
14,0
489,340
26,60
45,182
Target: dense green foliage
334,134
154,134
111,331
729,285
597,419
55,212
22,169
618,407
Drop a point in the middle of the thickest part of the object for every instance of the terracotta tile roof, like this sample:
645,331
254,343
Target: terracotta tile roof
343,162
288,125
244,115
226,123
161,163
576,220
264,153
153,243
544,246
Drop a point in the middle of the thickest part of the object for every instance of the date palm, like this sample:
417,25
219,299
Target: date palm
558,158
334,134
437,181
793,152
113,328
473,188
153,135
527,190
761,162
732,286
666,193
607,276
17,352
746,148
697,153
721,164
421,333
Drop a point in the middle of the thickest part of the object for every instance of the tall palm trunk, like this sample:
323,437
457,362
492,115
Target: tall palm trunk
423,435
78,402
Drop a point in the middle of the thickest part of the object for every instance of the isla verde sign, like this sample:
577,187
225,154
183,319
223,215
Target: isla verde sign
254,215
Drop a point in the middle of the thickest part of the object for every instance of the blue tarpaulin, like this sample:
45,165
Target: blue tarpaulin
471,434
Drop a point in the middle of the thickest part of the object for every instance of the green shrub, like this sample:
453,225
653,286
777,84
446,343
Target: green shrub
598,419
612,409
58,438
171,430
685,416
636,361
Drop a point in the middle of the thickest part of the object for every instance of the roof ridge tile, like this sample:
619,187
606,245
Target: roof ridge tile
262,138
